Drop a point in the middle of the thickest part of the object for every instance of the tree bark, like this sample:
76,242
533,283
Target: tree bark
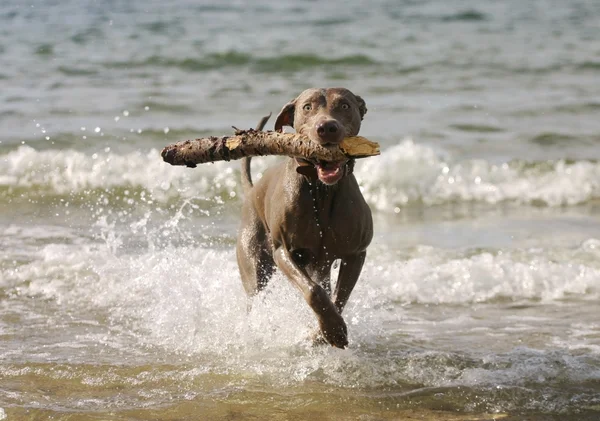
258,143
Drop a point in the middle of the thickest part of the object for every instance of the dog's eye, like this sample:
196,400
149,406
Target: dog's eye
345,106
307,107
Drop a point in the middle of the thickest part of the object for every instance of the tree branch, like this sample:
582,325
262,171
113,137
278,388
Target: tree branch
258,143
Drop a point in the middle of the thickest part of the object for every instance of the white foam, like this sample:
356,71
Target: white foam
408,173
403,174
191,298
72,172
432,278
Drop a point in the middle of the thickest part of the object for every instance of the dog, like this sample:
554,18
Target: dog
302,216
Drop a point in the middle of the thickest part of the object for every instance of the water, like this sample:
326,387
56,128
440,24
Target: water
120,297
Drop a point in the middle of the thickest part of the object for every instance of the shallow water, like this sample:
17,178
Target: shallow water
120,297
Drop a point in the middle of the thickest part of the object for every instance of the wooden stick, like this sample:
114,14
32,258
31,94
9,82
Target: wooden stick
258,143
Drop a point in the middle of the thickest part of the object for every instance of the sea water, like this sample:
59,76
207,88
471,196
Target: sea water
119,291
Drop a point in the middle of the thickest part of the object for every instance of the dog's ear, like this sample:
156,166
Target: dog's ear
286,116
362,106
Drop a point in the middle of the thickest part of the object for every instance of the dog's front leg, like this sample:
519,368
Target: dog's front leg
350,269
332,325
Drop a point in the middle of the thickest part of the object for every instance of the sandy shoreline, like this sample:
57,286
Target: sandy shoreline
220,412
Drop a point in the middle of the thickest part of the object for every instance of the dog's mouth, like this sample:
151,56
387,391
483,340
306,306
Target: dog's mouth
330,172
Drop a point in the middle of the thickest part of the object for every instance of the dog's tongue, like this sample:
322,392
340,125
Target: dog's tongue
329,172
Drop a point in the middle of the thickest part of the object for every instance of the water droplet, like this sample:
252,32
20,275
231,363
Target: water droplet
82,128
166,130
117,118
146,108
97,129
125,113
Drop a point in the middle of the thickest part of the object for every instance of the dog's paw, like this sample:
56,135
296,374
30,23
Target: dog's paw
334,332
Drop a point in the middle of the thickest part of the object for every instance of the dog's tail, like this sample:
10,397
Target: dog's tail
246,173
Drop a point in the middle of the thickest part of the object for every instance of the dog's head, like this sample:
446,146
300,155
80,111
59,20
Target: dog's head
326,116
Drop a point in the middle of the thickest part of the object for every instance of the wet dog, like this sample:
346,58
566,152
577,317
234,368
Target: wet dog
302,216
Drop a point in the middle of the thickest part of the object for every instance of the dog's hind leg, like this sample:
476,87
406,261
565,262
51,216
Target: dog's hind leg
255,261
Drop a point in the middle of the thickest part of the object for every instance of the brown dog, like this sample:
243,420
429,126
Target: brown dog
302,216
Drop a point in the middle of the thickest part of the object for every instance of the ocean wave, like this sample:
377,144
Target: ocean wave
431,276
476,128
551,139
70,173
404,175
100,273
467,16
282,63
589,65
409,173
77,71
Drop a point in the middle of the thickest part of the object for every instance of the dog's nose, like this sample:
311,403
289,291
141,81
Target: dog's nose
329,131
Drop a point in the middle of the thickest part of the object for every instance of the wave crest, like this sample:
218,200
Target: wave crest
409,173
405,174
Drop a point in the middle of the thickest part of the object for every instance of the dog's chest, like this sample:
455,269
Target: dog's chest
328,224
